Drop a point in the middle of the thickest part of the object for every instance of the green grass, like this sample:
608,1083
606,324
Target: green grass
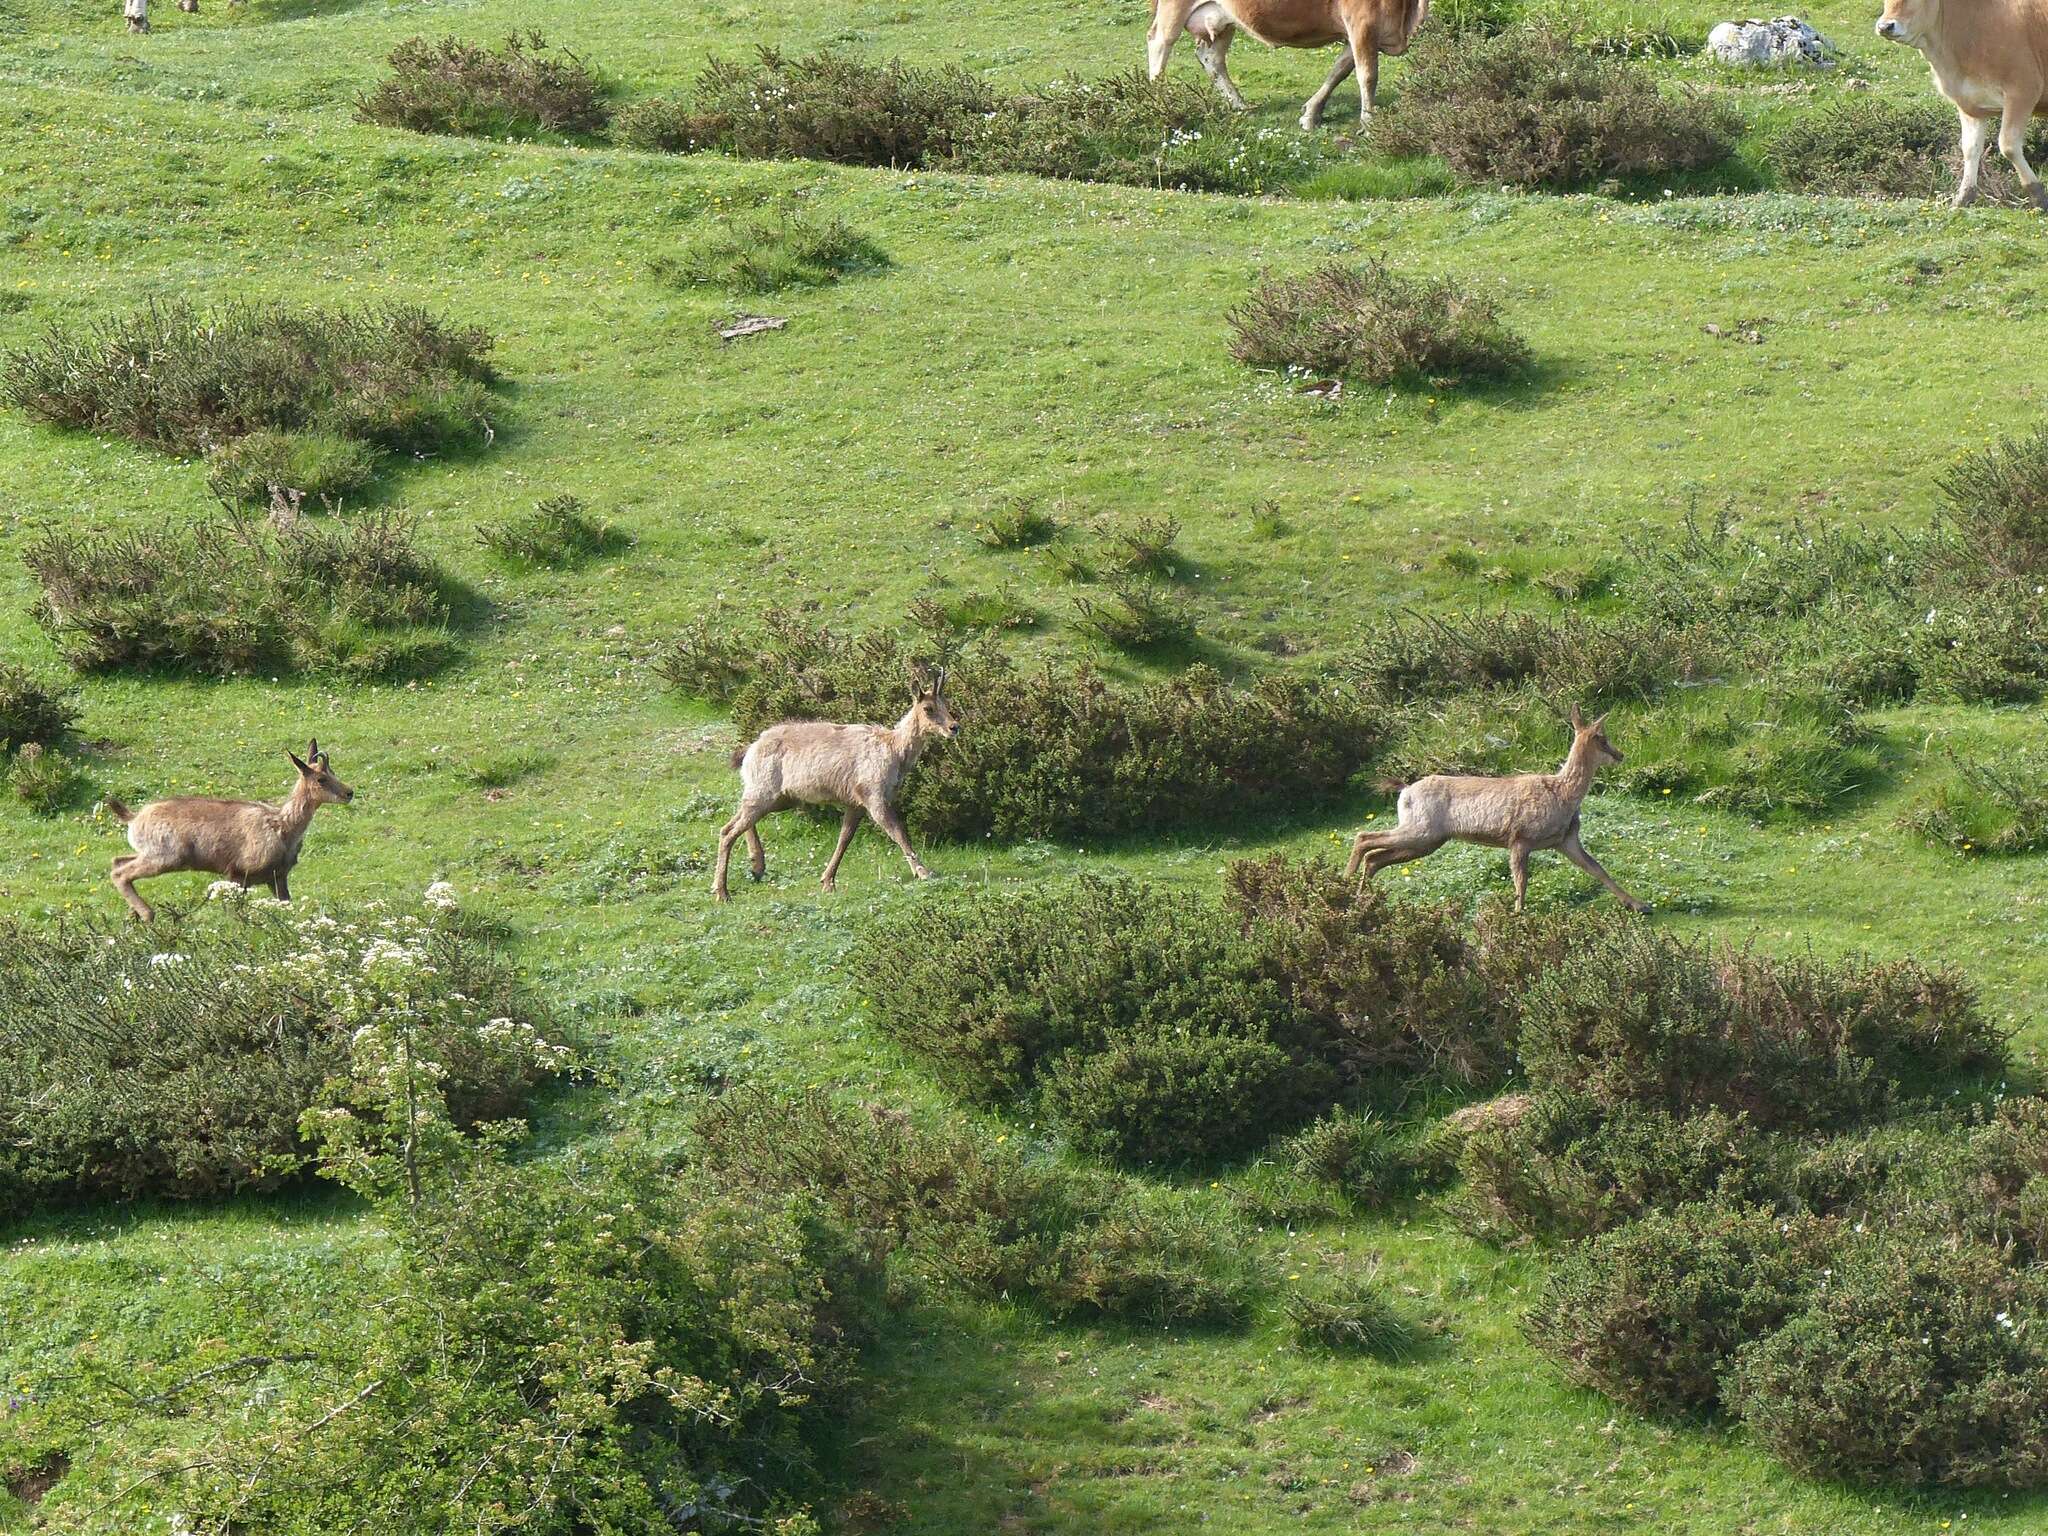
1063,345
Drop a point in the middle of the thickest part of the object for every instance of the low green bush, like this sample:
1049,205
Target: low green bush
558,533
188,381
46,781
521,90
1137,617
1355,1319
242,598
1566,661
271,468
1049,751
1653,1314
767,255
176,1059
957,1209
1645,1020
1998,503
1990,806
1375,325
1866,146
1527,106
1914,1362
32,712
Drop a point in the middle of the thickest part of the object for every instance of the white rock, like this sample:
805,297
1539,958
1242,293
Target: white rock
1784,40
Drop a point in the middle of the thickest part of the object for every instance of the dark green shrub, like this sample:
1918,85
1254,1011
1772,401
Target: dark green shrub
1991,806
46,781
522,90
1566,1168
558,533
962,1212
1356,1152
1998,503
32,712
1653,1314
1866,146
1051,752
1763,749
1916,1363
242,598
820,106
1137,617
1382,988
763,255
1173,1091
1567,661
176,1060
1644,1020
187,380
1018,525
1527,107
1376,326
269,468
1356,1319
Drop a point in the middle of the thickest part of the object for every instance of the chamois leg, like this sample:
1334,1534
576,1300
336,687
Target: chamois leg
1168,18
2012,143
1518,869
757,856
128,869
280,885
1976,140
1363,844
1213,49
848,825
886,818
742,823
1312,114
1400,853
1574,850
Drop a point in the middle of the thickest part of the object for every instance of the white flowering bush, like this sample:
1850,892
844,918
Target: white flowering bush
177,1059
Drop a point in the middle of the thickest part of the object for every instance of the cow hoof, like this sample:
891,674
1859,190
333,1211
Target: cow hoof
1963,199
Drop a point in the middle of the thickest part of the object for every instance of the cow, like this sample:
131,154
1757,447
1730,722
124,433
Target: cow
1990,58
1365,28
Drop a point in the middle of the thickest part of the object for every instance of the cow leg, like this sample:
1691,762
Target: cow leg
1212,32
1312,114
1169,19
1976,139
1367,51
2012,143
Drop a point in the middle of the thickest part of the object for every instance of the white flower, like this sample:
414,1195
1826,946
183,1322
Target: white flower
223,890
167,959
441,897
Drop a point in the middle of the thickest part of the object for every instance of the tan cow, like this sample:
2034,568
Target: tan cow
1990,59
1366,28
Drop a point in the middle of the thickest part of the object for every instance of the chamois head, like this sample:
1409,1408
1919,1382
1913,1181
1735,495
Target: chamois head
316,779
1589,736
929,712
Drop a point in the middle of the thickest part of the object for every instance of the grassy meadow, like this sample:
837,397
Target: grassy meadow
1061,344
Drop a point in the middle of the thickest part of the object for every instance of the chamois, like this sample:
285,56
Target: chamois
1521,813
251,842
815,762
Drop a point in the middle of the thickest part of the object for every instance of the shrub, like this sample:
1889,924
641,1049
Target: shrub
187,380
1765,749
960,1211
767,255
1567,1168
1527,107
1145,547
268,468
32,712
1018,525
1169,1091
1376,326
1653,1314
240,598
1863,146
1916,1363
820,106
176,1060
521,90
1567,660
1991,806
1138,617
559,533
1644,1020
46,781
1356,1319
1051,752
1361,1155
1998,503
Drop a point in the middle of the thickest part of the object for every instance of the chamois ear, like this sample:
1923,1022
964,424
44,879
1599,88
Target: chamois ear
298,762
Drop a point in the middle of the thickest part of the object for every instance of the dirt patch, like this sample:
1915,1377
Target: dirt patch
30,1485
